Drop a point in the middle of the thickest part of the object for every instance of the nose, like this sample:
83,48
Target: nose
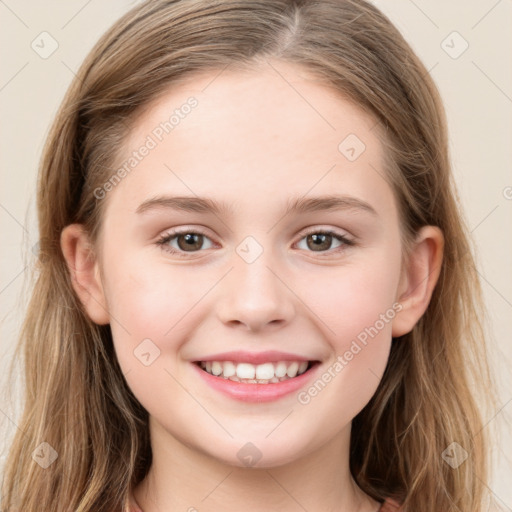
256,297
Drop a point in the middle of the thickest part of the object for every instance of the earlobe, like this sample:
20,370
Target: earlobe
84,272
419,279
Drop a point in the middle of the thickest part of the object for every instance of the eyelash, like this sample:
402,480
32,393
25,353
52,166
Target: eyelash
162,242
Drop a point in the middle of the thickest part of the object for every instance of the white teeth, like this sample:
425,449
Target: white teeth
265,371
292,370
281,369
229,369
245,371
216,368
255,374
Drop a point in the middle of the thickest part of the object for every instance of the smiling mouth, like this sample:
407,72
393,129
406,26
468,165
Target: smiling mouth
247,373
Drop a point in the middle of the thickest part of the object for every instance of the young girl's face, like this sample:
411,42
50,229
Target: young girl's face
251,278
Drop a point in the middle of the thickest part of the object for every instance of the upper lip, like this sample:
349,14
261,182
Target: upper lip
241,356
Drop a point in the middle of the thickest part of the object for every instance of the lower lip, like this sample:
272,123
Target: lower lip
256,392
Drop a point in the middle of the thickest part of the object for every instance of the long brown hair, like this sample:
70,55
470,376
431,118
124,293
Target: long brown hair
76,398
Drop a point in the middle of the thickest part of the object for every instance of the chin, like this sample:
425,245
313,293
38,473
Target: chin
260,453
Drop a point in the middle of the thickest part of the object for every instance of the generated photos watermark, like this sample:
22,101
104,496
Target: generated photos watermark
156,136
356,346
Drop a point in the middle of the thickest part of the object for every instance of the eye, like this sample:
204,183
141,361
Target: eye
321,240
191,241
187,241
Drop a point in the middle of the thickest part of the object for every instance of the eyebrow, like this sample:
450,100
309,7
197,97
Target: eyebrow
298,205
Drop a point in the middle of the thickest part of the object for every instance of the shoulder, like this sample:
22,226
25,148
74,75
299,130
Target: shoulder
390,505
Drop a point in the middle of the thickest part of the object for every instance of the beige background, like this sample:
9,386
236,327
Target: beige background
476,87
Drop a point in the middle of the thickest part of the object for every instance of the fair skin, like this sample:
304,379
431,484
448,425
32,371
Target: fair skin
255,141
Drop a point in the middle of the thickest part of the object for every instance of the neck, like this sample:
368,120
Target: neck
181,478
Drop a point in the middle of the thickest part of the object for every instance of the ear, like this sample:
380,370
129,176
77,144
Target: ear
418,279
84,270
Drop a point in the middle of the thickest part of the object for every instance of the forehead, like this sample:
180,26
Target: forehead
260,133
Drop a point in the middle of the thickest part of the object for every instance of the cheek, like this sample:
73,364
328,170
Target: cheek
152,314
148,302
352,298
358,313
155,310
357,307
